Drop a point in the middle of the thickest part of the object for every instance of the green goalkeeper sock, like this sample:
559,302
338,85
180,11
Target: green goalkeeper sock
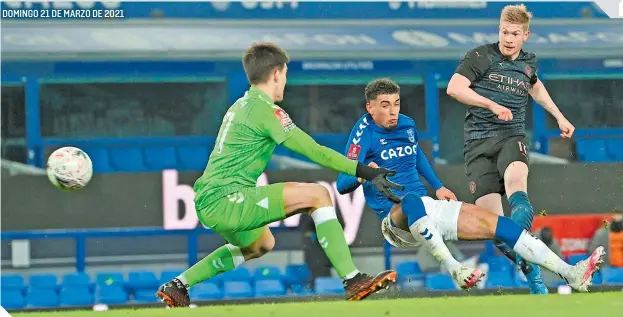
223,259
331,238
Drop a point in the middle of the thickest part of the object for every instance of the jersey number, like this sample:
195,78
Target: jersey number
229,117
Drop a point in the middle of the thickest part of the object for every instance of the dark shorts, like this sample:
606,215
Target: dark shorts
487,159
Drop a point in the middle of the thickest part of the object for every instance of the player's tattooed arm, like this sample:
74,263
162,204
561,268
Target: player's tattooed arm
540,95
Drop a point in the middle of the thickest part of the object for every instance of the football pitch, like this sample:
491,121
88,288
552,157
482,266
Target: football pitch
588,305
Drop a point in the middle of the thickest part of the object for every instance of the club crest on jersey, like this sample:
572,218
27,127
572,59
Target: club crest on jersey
411,135
528,70
353,152
284,119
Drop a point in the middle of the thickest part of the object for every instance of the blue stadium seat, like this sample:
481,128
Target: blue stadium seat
168,275
612,275
145,296
614,147
76,296
409,270
500,279
439,282
301,289
269,288
325,285
110,295
13,282
140,280
41,298
411,285
159,158
193,157
575,258
268,272
43,281
238,274
12,299
100,158
592,150
298,274
237,289
499,264
127,159
76,280
109,278
598,278
206,291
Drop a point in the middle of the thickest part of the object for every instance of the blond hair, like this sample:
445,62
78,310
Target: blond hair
516,14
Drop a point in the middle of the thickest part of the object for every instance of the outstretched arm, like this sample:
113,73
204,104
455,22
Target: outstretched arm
426,170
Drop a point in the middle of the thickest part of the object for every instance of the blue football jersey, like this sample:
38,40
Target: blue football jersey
396,149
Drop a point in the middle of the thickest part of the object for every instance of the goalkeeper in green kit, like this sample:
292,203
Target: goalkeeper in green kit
228,201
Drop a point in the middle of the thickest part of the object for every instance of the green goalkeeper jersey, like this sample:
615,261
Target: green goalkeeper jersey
252,127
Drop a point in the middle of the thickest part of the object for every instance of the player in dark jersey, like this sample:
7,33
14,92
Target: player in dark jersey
385,138
495,80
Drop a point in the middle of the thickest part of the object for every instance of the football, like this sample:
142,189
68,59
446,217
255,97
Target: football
69,168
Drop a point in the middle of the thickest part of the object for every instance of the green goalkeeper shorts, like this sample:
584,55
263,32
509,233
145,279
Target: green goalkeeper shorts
240,217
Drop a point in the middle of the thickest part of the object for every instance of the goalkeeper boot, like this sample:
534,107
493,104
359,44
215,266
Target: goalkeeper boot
363,285
174,293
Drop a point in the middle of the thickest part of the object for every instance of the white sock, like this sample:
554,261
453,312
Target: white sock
423,229
323,214
535,251
182,279
351,275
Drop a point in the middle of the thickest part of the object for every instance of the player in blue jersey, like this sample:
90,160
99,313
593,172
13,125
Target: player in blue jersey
387,139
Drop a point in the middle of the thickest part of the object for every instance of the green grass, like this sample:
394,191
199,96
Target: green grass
584,305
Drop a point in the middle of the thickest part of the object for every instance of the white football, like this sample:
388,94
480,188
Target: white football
69,168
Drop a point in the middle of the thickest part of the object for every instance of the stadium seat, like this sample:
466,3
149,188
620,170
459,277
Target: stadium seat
100,158
193,157
301,289
206,291
269,272
140,280
238,274
325,285
159,158
439,282
13,282
269,288
520,280
41,298
598,278
76,296
110,295
411,285
500,279
592,150
612,275
43,281
237,289
109,278
127,159
575,258
298,274
76,280
614,147
145,296
499,264
168,275
12,299
409,270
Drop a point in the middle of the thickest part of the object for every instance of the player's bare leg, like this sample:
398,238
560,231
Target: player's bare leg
410,215
316,200
476,223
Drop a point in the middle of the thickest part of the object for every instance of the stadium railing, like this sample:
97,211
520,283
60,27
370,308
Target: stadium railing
80,237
